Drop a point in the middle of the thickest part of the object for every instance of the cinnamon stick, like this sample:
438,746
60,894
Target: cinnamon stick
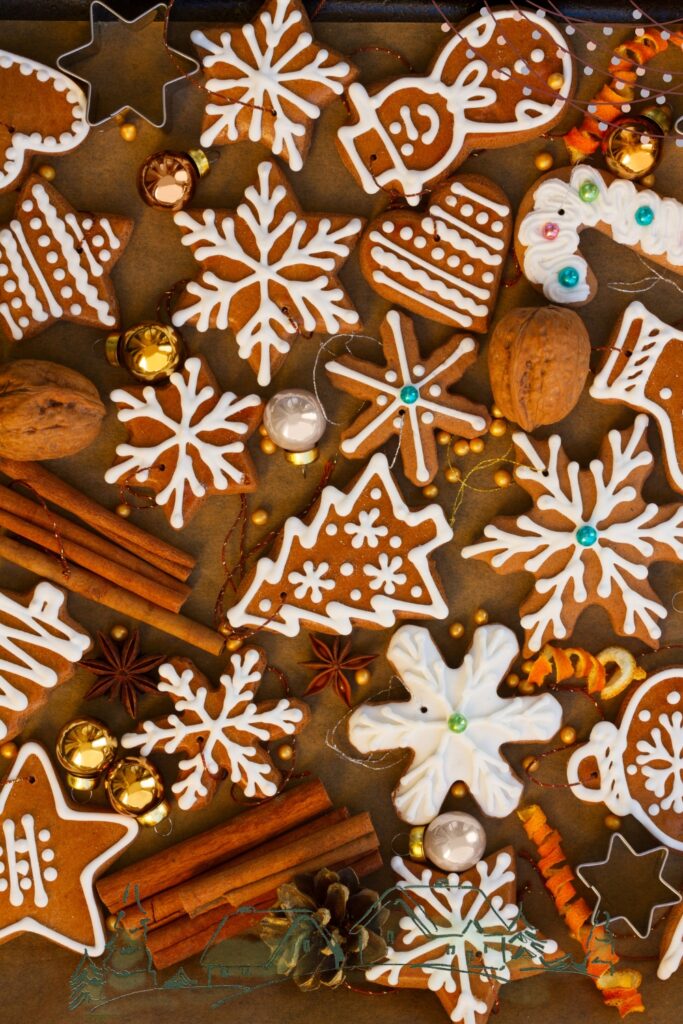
85,583
168,868
164,556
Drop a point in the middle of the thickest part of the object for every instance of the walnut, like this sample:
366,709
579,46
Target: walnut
538,364
46,411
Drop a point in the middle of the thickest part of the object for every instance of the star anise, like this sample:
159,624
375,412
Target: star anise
122,673
333,665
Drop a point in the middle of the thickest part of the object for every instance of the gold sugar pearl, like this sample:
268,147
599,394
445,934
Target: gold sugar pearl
527,666
512,680
443,437
9,751
568,735
612,822
119,632
47,171
268,447
361,677
476,445
648,180
459,790
502,478
456,630
123,510
262,431
285,751
259,517
128,132
556,81
111,922
430,491
496,412
481,616
234,644
453,475
526,687
530,764
461,448
498,428
543,161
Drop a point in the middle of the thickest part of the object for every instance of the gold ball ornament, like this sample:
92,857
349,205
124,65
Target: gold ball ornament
633,146
111,922
259,517
476,445
556,81
85,748
47,171
543,161
459,790
119,632
167,180
453,475
526,687
502,478
612,822
456,630
443,437
268,447
128,132
149,351
285,751
235,643
123,510
568,735
496,412
530,764
134,787
648,181
498,428
262,431
461,448
361,677
481,617
9,751
430,491
512,680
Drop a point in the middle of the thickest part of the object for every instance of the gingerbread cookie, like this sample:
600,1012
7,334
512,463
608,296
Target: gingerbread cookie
41,111
269,272
187,440
408,397
360,558
635,767
486,87
643,369
671,948
271,81
454,723
51,855
463,936
39,646
220,731
445,264
561,204
589,539
55,263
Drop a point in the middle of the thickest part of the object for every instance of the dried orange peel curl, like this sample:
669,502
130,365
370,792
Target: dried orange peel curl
617,985
574,662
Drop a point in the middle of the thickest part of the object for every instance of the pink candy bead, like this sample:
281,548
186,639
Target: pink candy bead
550,230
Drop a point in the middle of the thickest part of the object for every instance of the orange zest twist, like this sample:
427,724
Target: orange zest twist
569,662
618,986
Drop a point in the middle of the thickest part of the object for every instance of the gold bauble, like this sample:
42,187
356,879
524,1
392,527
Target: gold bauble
47,171
530,764
568,735
430,491
512,680
259,517
477,445
268,447
285,751
361,677
459,790
128,132
443,437
543,161
612,822
149,351
85,748
167,180
502,478
119,632
453,475
416,850
556,81
461,448
235,643
456,630
9,751
632,147
498,428
134,787
123,510
481,617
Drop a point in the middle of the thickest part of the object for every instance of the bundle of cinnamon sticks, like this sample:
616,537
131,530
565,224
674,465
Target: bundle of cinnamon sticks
108,559
218,884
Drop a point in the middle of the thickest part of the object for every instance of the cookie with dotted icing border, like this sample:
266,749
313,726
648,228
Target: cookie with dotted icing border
635,767
486,87
51,855
409,397
42,111
563,203
55,263
447,262
643,368
270,80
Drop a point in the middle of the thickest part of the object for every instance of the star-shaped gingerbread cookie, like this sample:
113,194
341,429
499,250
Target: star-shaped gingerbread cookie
55,263
409,397
51,855
270,80
269,271
187,440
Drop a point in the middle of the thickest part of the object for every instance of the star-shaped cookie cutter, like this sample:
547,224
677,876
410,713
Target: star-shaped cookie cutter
600,915
97,10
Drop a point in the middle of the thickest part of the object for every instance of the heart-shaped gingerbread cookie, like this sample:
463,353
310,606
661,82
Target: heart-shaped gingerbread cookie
445,263
41,111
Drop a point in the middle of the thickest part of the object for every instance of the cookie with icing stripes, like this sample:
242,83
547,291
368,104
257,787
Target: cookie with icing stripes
446,263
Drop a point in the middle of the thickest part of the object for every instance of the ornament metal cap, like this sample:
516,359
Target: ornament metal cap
150,351
135,788
85,748
200,160
303,458
416,850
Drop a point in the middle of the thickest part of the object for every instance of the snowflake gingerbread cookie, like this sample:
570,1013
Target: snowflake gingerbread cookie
408,397
55,263
269,272
51,855
41,111
361,557
39,646
636,767
187,440
220,731
270,80
454,722
589,539
487,87
463,936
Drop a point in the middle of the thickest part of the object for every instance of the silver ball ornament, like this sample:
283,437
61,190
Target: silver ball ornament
454,841
294,420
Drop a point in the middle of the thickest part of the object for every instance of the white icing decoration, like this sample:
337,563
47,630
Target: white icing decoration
20,838
624,547
274,78
379,609
37,625
386,575
467,93
367,530
223,735
614,208
313,300
189,438
442,756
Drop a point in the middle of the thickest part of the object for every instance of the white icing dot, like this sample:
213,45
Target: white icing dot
537,55
467,210
10,286
607,30
632,769
75,310
3,884
419,241
438,253
44,241
395,542
587,70
590,45
87,224
35,223
59,274
26,883
406,233
416,591
521,67
418,370
346,569
536,34
331,529
24,321
3,270
50,874
355,595
395,127
388,227
637,15
66,292
382,400
48,855
427,417
665,393
52,258
434,390
482,217
497,225
644,716
97,240
468,270
375,494
397,422
653,810
391,376
501,40
453,261
674,697
16,303
264,605
407,149
487,277
104,255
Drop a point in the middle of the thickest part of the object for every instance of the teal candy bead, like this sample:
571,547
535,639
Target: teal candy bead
457,722
586,535
409,394
644,216
568,277
588,191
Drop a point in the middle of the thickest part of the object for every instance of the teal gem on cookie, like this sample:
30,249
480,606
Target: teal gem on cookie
568,277
457,722
409,394
586,535
644,215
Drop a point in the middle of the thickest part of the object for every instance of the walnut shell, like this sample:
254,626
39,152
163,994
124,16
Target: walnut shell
46,411
538,364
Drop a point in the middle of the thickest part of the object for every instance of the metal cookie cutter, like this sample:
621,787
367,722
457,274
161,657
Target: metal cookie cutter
100,12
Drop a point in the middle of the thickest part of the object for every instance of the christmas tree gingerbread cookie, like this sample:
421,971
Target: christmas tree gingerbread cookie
360,557
408,397
589,539
454,723
51,855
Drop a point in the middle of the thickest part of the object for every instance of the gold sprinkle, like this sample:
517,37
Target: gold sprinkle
481,616
47,171
512,680
452,475
459,790
430,491
119,632
477,445
362,677
128,132
498,428
285,751
443,437
530,764
461,448
543,161
259,517
612,822
568,735
456,630
268,447
556,81
502,478
124,511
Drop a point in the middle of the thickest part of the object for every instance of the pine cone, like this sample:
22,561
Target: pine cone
326,925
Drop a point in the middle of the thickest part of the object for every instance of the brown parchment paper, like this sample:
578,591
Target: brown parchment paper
101,176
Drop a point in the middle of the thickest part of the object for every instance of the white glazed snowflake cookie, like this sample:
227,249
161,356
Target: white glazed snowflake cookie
454,723
589,539
270,80
361,558
269,271
219,730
